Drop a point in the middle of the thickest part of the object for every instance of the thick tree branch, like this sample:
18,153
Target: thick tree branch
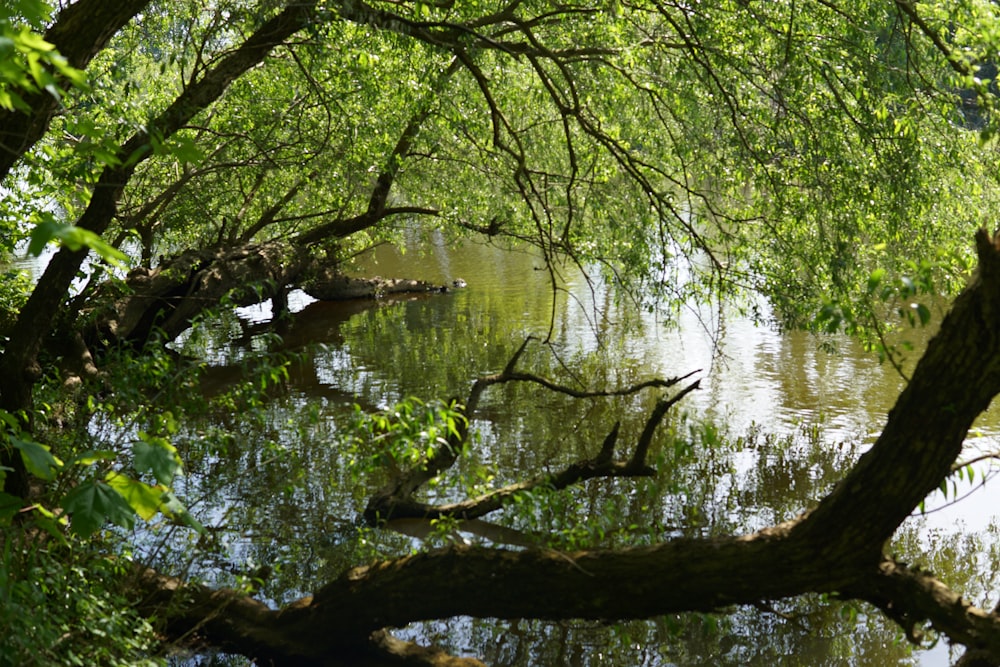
699,574
233,621
911,596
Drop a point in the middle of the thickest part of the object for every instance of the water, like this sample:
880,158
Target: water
786,420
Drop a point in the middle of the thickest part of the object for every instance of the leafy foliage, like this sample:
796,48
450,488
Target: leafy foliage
403,437
87,619
29,64
805,152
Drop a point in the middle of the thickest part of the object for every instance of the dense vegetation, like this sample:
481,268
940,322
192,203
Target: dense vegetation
177,159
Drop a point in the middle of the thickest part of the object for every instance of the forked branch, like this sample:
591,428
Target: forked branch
396,500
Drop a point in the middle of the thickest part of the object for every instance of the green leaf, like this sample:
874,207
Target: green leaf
41,235
175,509
50,523
184,149
146,500
37,458
92,504
875,279
158,457
34,12
11,100
77,237
74,238
923,313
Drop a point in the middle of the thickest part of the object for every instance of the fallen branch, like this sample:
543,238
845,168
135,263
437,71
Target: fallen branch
396,501
232,620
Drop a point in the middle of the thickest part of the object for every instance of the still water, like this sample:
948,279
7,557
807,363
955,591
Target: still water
775,423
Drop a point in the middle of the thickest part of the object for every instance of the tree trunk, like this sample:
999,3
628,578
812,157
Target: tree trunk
37,316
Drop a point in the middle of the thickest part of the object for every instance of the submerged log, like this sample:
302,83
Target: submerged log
169,297
330,285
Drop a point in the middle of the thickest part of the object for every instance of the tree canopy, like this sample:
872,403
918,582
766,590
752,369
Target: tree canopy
175,159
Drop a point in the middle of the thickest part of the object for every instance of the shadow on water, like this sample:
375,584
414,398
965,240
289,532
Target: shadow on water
775,425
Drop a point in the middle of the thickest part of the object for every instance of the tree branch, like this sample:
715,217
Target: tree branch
396,501
36,317
911,596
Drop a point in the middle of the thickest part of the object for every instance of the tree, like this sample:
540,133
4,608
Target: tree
803,152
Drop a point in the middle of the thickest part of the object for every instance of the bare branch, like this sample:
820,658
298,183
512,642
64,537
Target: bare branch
638,461
396,499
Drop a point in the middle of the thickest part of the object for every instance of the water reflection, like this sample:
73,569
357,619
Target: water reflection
776,423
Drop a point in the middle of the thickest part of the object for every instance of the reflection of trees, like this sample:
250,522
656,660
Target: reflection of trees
717,484
712,487
807,633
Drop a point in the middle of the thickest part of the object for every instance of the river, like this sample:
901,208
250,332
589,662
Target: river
776,422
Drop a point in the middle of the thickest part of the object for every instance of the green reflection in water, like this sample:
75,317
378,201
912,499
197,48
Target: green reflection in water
777,423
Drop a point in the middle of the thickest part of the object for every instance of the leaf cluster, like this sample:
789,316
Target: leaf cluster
88,618
28,64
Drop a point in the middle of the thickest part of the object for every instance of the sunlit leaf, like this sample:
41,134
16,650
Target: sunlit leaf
74,238
875,279
146,500
41,235
92,456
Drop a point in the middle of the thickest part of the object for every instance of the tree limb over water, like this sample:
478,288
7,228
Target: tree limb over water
396,500
168,298
835,548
